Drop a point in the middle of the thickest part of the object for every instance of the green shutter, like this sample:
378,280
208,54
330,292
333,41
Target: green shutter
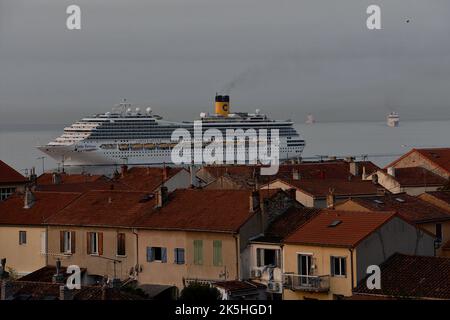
198,252
217,253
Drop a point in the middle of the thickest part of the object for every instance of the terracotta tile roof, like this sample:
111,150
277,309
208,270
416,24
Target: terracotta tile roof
201,209
32,290
46,204
105,208
287,223
338,169
237,285
441,195
47,178
407,276
45,274
319,188
9,175
410,208
439,156
351,228
418,176
84,187
146,178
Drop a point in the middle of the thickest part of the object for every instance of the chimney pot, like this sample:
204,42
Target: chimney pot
161,197
254,201
391,171
295,174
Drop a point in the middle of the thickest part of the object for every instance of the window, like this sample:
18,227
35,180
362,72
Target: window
338,266
121,244
178,254
95,243
267,257
67,242
22,237
6,192
439,231
157,254
217,253
198,252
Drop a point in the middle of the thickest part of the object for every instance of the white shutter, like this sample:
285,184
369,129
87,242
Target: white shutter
43,242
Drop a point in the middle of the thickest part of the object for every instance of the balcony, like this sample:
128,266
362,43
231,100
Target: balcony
298,282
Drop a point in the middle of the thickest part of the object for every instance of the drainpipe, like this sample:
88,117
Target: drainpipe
238,257
351,266
137,252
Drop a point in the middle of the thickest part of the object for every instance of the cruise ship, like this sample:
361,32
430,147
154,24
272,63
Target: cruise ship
129,135
393,119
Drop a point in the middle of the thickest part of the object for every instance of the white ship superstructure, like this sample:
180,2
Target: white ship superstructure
393,119
130,136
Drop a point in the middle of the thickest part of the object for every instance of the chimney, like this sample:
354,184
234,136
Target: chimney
292,192
391,171
56,178
354,168
161,197
192,176
330,199
295,174
123,170
364,174
165,173
58,277
7,290
33,176
254,201
65,293
28,199
3,272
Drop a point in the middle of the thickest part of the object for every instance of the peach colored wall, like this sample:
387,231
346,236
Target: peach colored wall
96,265
23,258
321,259
172,274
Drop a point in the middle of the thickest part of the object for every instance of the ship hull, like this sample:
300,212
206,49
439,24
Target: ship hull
77,155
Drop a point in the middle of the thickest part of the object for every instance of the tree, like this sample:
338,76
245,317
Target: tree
197,292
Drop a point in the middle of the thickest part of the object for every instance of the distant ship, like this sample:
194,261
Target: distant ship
130,136
310,119
393,119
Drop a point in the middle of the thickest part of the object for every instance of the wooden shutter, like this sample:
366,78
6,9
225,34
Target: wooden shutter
149,254
100,243
278,258
61,241
258,257
217,253
121,244
198,252
181,255
88,237
72,242
332,266
163,255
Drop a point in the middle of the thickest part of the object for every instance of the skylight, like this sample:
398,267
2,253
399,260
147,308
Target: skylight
400,199
335,223
378,201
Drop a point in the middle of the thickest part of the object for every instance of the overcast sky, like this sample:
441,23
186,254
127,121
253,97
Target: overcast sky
286,57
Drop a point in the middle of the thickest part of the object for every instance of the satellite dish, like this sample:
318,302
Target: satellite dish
138,110
149,110
129,110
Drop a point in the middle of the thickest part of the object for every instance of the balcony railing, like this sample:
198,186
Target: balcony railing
299,282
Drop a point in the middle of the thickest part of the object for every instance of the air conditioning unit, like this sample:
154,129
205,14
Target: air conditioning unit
255,273
274,287
287,279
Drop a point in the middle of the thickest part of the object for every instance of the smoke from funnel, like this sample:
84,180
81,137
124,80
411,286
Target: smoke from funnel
240,79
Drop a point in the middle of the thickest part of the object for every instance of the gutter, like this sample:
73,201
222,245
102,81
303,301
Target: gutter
135,232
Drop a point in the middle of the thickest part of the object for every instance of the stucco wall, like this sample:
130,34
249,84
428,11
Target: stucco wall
416,160
394,236
96,265
321,259
170,273
23,258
